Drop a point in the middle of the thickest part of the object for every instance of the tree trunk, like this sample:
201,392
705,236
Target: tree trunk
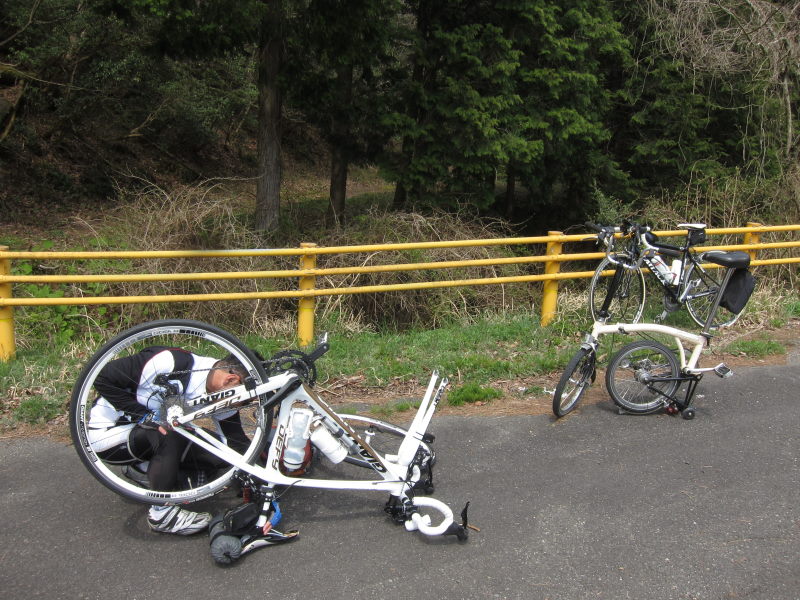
340,156
400,196
511,191
339,164
268,182
787,97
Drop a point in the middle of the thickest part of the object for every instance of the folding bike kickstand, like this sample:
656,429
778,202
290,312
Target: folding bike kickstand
675,406
687,411
248,526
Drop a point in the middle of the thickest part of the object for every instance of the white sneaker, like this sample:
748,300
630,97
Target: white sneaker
173,519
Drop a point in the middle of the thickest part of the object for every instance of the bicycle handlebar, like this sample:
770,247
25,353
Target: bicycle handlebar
423,522
606,233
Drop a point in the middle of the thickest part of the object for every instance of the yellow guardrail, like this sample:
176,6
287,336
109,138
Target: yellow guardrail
307,273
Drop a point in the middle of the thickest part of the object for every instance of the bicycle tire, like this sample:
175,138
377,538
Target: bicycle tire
702,295
627,303
383,437
577,376
630,372
197,337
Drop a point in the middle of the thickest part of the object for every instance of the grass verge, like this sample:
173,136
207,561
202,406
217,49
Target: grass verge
36,386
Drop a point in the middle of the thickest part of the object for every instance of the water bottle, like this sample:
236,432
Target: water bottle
328,445
676,268
294,454
662,267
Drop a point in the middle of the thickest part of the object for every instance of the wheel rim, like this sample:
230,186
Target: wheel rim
573,382
385,438
575,386
635,377
196,338
628,301
701,299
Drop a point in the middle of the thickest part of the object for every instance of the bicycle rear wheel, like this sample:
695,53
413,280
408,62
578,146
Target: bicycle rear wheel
578,374
130,480
705,282
627,289
643,376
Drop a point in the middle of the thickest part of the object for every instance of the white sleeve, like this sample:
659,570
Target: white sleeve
147,393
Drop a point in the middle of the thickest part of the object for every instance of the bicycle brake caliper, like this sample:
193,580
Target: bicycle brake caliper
399,511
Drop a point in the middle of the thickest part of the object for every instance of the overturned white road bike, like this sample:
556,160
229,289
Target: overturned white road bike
279,412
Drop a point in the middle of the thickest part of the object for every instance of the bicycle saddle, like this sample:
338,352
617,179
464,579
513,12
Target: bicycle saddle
734,259
692,226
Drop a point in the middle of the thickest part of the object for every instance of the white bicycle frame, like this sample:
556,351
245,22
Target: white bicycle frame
681,337
394,473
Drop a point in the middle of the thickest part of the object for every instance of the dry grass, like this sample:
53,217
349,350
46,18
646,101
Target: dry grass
210,216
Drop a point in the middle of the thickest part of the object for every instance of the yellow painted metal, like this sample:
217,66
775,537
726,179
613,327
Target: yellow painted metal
305,309
308,273
89,300
314,272
361,249
8,346
550,290
752,237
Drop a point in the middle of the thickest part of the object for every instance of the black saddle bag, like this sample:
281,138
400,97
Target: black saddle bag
740,288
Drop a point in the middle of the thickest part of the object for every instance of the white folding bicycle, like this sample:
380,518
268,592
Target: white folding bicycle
645,376
277,395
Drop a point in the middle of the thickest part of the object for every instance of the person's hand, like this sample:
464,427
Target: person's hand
148,421
152,420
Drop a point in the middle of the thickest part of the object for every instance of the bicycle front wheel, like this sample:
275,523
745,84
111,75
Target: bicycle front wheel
643,376
577,376
130,479
624,291
704,282
385,438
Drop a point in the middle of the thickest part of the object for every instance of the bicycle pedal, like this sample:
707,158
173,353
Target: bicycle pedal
723,370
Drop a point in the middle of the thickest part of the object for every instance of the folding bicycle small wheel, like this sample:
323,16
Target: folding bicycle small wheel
643,377
578,374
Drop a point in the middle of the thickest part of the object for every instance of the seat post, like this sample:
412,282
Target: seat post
717,299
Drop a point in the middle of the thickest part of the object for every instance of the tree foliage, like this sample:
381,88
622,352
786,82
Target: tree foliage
530,108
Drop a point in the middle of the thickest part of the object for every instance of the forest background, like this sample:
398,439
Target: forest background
152,124
563,102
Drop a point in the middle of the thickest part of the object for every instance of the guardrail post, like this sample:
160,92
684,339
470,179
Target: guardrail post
752,237
305,307
550,290
7,345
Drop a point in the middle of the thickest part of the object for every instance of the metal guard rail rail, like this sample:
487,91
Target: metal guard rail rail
307,273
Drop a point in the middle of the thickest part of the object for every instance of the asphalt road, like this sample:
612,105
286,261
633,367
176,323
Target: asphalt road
597,505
